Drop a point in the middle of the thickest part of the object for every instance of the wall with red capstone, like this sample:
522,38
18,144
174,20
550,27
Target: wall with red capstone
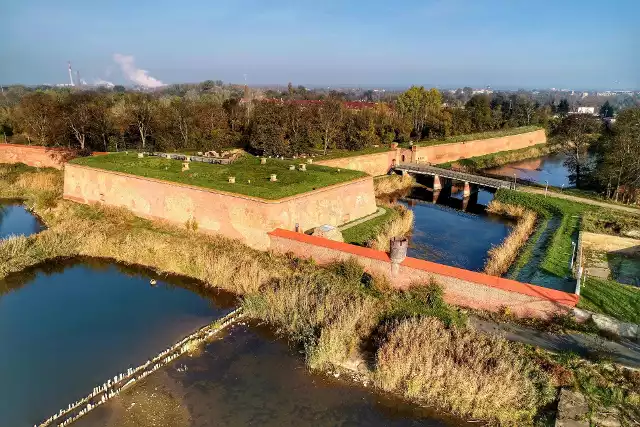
37,156
230,214
462,287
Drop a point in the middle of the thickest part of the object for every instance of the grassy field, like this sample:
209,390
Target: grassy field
479,135
337,153
611,298
395,222
252,178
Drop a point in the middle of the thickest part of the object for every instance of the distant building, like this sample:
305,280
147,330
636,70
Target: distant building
607,93
586,110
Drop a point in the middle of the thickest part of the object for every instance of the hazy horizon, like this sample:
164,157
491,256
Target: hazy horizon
578,45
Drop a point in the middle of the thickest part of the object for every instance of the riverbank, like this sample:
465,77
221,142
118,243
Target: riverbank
476,164
336,314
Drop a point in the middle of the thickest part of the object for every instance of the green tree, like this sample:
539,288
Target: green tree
416,103
606,110
563,107
479,109
574,136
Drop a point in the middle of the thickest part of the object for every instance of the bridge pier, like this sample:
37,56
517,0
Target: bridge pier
466,192
472,199
437,185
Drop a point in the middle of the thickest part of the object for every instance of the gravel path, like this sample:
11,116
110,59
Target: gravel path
581,200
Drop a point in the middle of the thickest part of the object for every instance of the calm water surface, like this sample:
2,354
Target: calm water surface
69,329
251,378
16,220
541,170
446,234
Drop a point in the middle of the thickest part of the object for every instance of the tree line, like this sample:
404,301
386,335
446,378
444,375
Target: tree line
115,120
602,155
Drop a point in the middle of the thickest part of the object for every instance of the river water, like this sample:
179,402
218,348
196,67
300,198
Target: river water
540,170
250,377
15,220
445,233
68,328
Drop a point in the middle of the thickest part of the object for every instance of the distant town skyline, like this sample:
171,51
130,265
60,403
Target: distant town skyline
579,45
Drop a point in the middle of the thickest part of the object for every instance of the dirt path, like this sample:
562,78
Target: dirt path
581,200
625,352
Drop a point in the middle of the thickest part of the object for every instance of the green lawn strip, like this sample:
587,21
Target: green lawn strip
252,178
559,250
360,234
500,158
611,298
527,253
479,135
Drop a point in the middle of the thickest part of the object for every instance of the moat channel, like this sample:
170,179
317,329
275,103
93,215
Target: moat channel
15,220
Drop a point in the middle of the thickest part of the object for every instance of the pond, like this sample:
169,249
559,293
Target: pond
69,328
446,234
250,377
540,170
15,220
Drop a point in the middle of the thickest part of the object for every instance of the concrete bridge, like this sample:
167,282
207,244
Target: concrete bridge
467,178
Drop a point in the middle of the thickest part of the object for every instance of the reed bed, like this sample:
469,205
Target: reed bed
502,256
390,184
400,226
465,371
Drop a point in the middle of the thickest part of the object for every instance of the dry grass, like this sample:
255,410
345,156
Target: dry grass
467,372
502,256
392,184
399,226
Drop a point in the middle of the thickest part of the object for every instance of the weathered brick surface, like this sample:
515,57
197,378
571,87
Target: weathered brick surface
36,156
462,287
380,163
233,215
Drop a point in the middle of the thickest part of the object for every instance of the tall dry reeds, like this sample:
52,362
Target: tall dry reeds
399,226
392,184
464,371
502,256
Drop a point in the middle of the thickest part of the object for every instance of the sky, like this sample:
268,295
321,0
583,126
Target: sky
578,44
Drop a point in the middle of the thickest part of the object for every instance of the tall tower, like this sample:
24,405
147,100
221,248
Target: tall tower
78,81
70,75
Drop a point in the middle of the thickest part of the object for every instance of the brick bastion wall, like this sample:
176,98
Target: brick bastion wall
380,163
233,215
36,156
462,287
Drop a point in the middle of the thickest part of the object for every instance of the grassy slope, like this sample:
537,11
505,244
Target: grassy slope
479,135
245,169
500,158
362,233
611,298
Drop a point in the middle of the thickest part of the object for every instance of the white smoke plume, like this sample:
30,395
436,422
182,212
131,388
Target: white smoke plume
136,75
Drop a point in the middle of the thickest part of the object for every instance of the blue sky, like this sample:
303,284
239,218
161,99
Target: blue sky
502,43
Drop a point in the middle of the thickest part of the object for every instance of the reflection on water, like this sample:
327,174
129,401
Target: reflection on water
252,378
549,169
445,234
66,330
16,220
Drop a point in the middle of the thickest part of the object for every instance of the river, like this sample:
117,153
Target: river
445,233
547,169
15,220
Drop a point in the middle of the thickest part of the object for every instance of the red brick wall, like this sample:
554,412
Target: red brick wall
444,153
233,215
380,163
36,156
373,164
462,287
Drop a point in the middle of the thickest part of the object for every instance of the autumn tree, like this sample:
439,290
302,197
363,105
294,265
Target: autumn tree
39,118
329,117
416,103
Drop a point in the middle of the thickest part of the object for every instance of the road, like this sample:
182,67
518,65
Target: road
625,352
565,196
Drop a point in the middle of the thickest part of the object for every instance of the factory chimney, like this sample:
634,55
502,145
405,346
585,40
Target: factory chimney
70,75
78,81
